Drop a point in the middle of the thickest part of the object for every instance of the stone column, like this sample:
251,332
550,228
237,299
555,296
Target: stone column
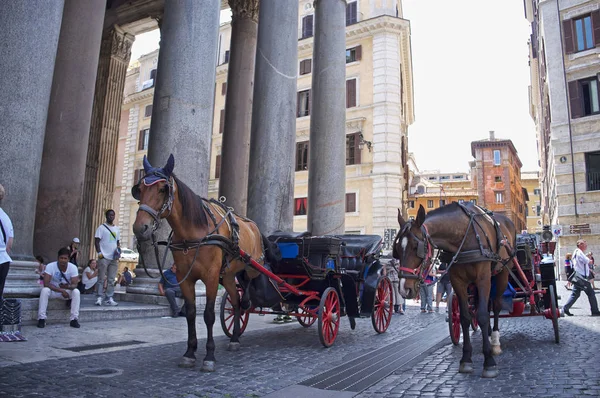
327,164
115,51
233,182
271,172
67,129
28,46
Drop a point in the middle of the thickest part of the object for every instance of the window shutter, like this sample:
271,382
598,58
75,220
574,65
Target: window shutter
148,111
141,140
309,102
358,53
305,66
218,167
298,104
568,32
356,148
136,176
153,74
222,121
351,202
302,67
308,26
224,88
350,93
596,27
575,100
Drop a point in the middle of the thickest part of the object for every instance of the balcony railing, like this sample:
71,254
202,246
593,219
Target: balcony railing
593,181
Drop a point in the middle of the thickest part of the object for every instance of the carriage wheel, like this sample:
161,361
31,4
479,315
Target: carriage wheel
383,305
227,315
306,319
554,314
329,317
453,318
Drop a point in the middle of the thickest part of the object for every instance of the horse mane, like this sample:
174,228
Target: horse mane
191,204
440,211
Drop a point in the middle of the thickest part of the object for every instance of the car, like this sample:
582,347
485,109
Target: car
129,255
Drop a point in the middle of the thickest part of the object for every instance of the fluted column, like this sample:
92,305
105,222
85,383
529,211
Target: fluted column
115,52
27,53
233,182
327,164
67,129
271,172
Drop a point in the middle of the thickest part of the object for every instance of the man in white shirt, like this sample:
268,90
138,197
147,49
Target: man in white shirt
60,281
581,267
108,246
6,241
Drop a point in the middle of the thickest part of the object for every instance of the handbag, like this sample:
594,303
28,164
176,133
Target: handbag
579,280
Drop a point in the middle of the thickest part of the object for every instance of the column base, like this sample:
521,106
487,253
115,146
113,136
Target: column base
22,281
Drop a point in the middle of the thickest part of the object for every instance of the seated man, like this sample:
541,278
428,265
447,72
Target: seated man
60,281
125,278
168,286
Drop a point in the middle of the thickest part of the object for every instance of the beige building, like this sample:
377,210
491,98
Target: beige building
564,103
530,181
379,102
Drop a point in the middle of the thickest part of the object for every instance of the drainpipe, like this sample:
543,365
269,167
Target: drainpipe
562,50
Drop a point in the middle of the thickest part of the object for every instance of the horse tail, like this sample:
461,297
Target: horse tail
272,252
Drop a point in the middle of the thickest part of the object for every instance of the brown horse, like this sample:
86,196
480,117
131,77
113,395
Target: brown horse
205,244
478,238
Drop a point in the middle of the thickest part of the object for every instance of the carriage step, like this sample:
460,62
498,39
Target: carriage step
363,372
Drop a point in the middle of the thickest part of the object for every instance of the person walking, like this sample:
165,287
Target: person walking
581,267
6,241
108,246
568,269
60,282
426,288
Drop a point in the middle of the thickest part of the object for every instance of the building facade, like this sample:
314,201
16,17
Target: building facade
533,208
379,109
564,103
496,173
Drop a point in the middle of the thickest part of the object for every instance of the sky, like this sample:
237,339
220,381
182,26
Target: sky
470,76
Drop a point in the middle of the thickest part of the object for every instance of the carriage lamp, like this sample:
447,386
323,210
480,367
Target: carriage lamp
363,142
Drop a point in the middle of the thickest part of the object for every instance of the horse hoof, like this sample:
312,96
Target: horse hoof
465,367
208,366
187,362
496,350
352,323
490,373
233,347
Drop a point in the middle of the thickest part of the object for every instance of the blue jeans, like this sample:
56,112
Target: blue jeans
577,292
426,297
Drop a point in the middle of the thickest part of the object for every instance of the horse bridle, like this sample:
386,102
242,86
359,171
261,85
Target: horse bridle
424,252
168,203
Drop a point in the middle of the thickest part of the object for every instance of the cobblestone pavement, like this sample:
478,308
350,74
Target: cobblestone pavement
275,358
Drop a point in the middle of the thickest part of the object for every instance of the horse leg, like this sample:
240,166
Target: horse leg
466,363
229,284
501,283
208,365
189,294
483,317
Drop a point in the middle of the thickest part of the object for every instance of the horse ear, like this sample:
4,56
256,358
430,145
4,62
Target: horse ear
168,169
147,165
420,216
400,219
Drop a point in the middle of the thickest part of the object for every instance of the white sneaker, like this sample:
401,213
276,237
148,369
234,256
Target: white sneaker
99,301
111,302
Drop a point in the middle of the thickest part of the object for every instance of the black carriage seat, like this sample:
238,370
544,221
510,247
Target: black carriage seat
359,252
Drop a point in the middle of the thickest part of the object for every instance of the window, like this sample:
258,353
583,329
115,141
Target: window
351,93
352,149
153,74
420,189
498,179
474,201
222,121
583,97
303,103
226,57
442,202
307,26
137,175
300,205
430,204
353,54
432,178
592,170
411,204
143,139
496,157
351,13
579,32
218,167
302,156
536,191
499,197
224,88
148,111
351,202
458,177
305,66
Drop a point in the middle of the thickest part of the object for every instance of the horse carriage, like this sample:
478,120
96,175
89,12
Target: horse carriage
490,270
318,278
314,278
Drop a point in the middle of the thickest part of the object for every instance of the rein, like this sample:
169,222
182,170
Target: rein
424,251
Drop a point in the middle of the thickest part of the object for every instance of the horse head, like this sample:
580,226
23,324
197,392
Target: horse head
154,191
411,248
